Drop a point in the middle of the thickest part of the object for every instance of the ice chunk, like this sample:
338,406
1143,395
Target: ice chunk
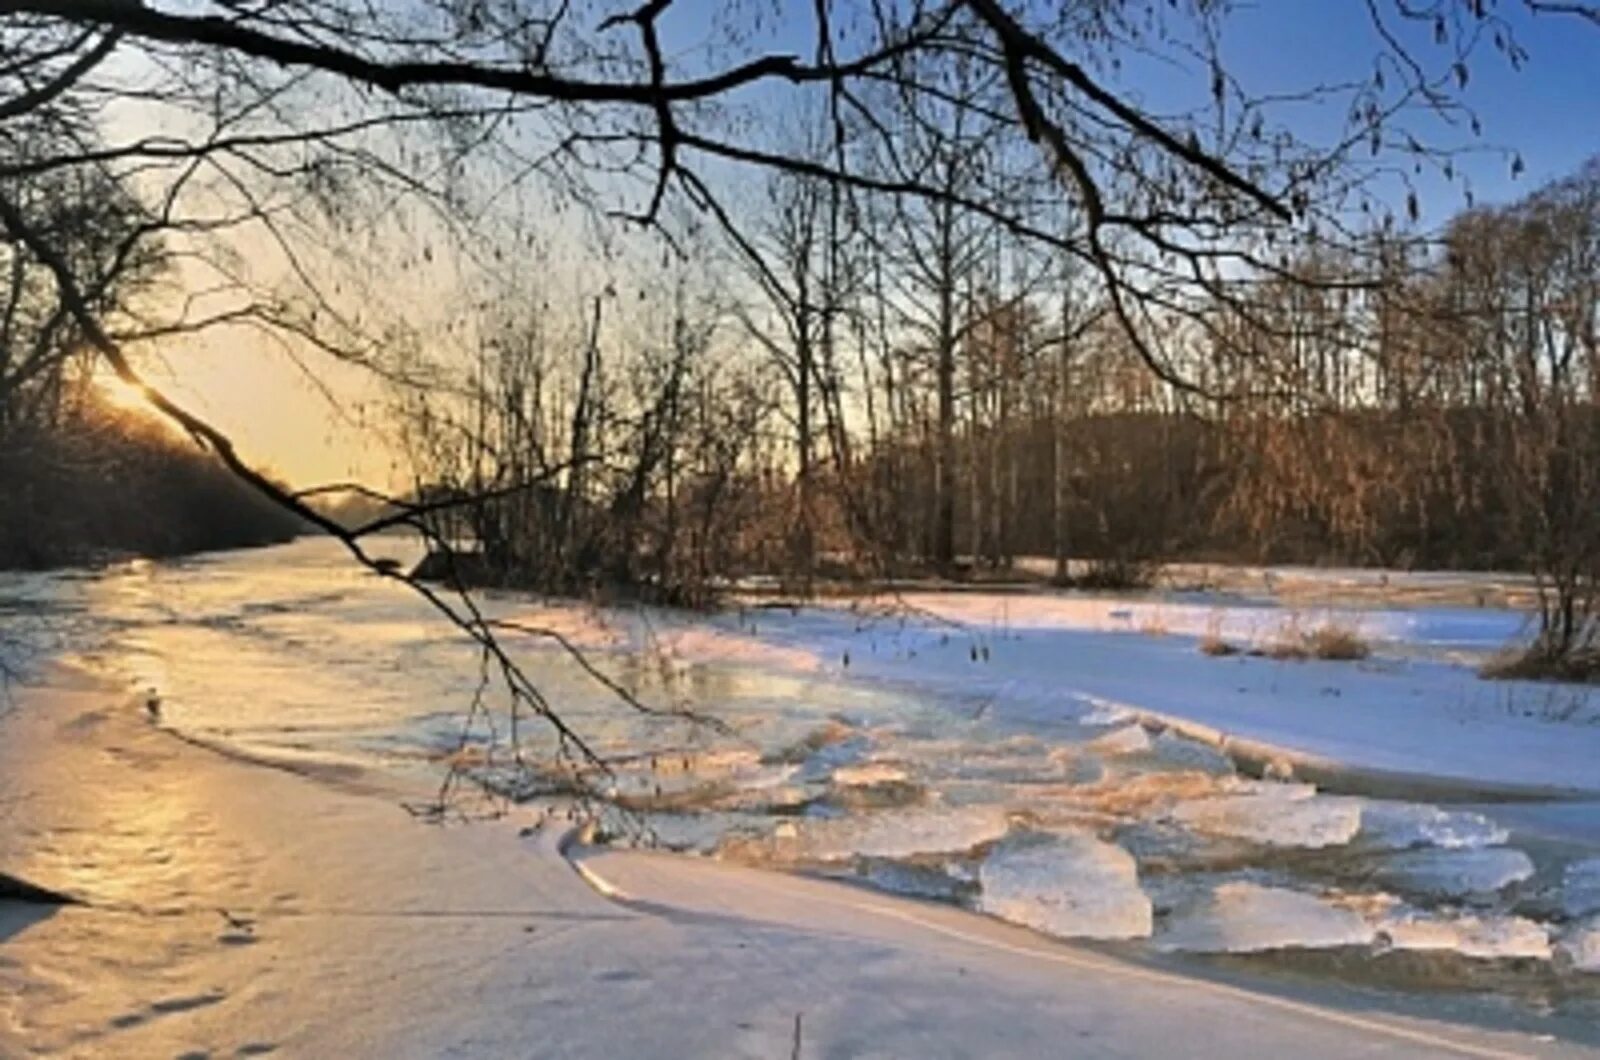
685,781
895,834
1128,740
831,734
1399,825
1244,917
920,881
1169,848
1180,752
866,774
1455,873
1580,946
1265,816
1106,712
1011,769
820,762
1472,936
1071,886
1580,888
874,785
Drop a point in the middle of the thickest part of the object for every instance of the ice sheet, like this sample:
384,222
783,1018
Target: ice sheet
1244,917
1068,885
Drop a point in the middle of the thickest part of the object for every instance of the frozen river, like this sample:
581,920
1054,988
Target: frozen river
1068,763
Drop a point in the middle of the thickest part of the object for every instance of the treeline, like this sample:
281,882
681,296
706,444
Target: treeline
919,396
1146,488
101,482
81,479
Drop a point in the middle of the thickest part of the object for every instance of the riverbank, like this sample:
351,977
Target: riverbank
235,909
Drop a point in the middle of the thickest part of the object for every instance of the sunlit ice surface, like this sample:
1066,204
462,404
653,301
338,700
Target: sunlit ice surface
975,750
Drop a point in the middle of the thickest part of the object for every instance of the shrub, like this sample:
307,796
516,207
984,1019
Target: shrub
1537,663
1213,643
1332,641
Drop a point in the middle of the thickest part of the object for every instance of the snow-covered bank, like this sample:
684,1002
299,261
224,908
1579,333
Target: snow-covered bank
238,911
1414,714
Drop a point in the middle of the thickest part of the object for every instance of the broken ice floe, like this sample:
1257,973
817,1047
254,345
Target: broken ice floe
1283,815
1179,752
1484,937
891,834
1071,886
874,785
1469,873
1245,917
1580,888
1128,740
1106,712
1391,825
939,882
1580,946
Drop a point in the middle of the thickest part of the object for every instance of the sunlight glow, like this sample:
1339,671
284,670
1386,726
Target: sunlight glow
121,394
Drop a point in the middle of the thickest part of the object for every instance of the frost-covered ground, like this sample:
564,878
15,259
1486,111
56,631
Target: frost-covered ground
1070,763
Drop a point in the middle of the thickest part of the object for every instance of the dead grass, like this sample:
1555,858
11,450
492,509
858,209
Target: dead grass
1332,641
1213,643
1537,663
1337,643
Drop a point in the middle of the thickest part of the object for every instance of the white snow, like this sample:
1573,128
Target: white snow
1244,917
1040,710
1067,885
1410,711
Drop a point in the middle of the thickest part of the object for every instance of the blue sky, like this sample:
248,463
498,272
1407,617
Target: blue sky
1549,111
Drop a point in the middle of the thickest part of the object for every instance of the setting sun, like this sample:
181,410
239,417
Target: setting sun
118,393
